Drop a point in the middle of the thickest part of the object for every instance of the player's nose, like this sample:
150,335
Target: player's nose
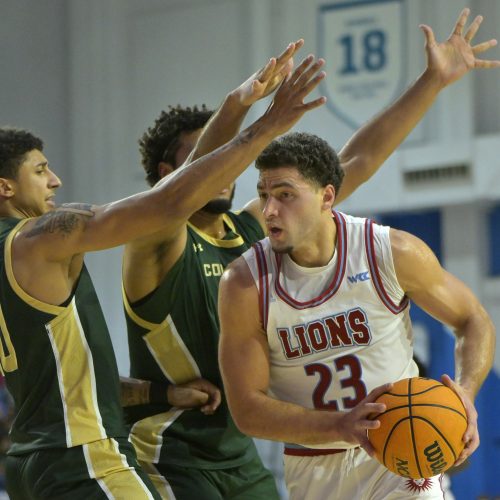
270,207
54,181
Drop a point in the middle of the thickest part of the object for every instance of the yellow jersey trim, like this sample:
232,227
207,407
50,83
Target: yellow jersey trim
32,301
8,361
147,434
76,377
235,242
147,325
166,346
116,477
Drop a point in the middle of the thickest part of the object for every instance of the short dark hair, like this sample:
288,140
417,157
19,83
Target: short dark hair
161,142
14,145
313,157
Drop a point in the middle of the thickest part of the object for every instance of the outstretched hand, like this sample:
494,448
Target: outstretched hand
471,436
451,59
267,79
288,104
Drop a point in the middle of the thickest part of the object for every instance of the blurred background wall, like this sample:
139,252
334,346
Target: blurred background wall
90,76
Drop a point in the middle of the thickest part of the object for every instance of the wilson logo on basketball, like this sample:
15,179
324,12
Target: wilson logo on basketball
435,457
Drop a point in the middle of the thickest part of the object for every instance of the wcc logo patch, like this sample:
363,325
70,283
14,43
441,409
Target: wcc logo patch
418,485
358,278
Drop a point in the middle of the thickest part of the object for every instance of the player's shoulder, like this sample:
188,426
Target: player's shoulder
237,272
404,242
350,220
413,259
236,266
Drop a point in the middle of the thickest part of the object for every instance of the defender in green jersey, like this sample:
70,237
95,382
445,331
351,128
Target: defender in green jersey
57,356
171,281
212,455
68,437
166,326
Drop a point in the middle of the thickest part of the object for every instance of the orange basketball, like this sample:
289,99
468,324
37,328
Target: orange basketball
421,430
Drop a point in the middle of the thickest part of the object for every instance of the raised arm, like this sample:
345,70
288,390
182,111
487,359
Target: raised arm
226,121
244,362
71,230
170,242
451,302
447,62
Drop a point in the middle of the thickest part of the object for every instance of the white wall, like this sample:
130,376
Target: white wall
34,66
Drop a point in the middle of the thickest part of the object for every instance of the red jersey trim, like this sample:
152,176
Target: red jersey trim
337,278
312,452
376,278
263,284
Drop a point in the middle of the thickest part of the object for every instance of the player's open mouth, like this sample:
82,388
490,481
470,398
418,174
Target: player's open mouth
274,231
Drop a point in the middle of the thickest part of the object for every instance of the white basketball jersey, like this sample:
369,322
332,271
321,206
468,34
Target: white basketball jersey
338,331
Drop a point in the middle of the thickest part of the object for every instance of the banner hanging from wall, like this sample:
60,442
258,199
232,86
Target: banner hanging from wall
364,44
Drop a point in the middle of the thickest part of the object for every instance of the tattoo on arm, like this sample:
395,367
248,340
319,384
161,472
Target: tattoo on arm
63,220
245,137
78,208
134,392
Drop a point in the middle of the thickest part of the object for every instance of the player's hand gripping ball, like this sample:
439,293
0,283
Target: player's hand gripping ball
421,430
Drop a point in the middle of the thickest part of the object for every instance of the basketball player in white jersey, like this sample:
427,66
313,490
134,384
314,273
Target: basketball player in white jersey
316,316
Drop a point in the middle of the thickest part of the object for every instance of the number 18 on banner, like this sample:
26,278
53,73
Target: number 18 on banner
364,44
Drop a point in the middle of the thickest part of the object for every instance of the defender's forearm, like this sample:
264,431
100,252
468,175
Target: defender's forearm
139,392
223,125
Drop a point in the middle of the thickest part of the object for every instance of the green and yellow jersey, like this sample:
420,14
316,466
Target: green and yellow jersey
173,336
58,362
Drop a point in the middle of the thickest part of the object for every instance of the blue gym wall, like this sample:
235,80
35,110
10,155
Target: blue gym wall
478,478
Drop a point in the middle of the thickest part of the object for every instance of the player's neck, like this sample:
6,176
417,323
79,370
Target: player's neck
211,224
319,248
7,209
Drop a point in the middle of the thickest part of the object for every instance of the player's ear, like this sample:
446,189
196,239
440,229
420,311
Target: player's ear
328,197
164,169
6,187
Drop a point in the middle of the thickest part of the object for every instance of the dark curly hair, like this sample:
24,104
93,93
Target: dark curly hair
14,144
313,157
161,142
